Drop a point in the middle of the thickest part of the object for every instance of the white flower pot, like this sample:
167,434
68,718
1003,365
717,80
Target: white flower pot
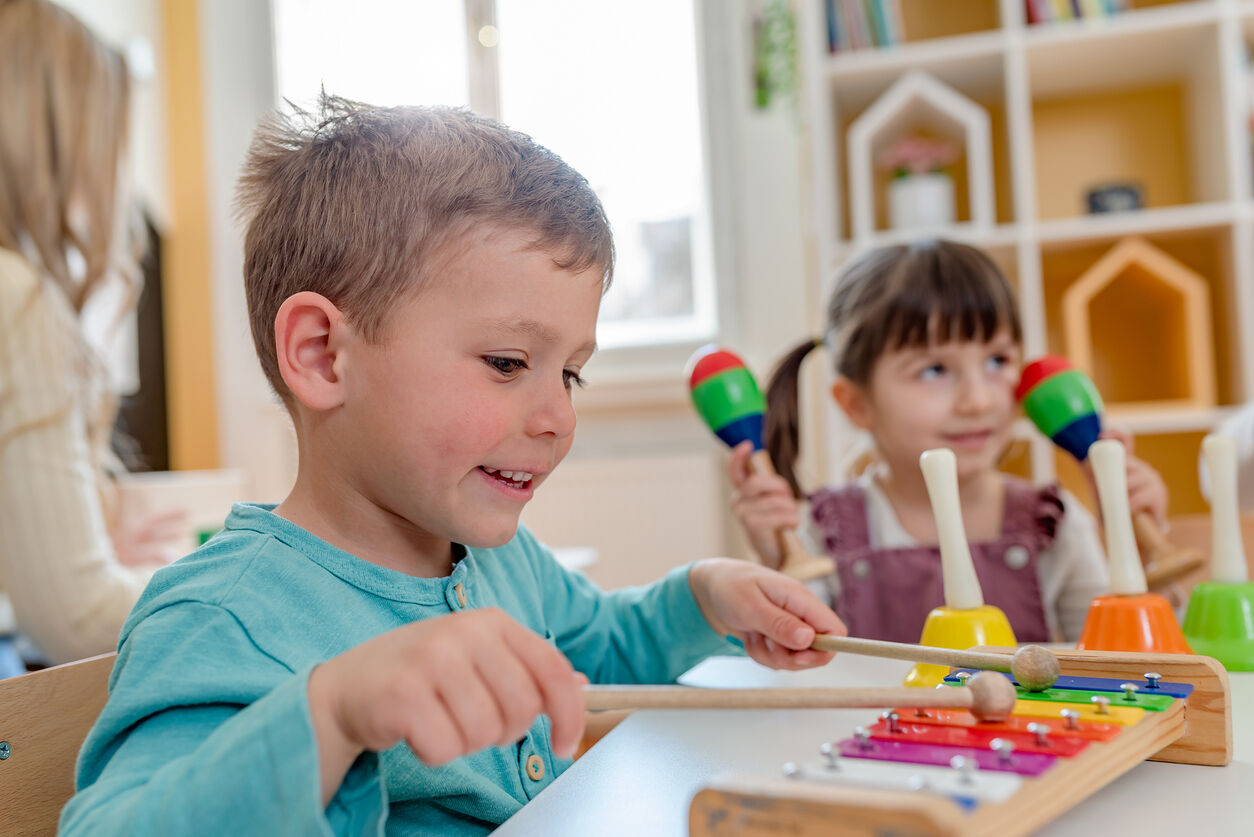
921,200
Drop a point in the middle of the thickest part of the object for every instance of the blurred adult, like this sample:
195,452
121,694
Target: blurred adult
71,566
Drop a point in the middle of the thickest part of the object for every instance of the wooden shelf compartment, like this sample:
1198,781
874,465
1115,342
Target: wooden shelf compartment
1140,351
1145,108
860,66
980,78
919,22
922,23
1135,5
1140,13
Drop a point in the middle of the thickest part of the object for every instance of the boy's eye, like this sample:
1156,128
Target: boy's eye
931,372
997,362
570,376
508,366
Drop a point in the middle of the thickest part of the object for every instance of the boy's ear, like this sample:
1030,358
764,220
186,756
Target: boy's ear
852,399
308,334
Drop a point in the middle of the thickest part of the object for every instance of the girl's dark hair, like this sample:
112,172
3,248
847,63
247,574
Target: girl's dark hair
894,297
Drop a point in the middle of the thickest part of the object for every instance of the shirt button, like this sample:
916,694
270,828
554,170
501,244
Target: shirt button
535,767
861,568
461,593
1016,557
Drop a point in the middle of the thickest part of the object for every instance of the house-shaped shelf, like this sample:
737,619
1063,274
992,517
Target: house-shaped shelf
919,101
1137,309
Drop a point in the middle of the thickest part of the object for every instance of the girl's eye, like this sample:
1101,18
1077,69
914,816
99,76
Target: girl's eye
929,373
571,377
998,362
507,366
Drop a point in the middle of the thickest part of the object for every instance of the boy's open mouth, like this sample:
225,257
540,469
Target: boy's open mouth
514,479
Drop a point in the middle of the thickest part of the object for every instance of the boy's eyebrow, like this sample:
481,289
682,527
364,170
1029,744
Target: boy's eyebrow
536,329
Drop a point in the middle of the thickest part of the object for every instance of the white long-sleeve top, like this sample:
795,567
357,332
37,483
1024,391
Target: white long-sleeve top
58,569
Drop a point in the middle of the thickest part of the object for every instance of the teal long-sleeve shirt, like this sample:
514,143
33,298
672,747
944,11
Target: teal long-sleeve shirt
207,729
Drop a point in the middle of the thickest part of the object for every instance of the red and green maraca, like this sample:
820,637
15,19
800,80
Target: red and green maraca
727,397
1063,403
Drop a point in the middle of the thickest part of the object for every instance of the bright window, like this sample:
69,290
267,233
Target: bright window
611,87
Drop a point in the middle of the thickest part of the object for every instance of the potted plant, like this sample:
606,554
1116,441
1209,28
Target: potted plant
921,192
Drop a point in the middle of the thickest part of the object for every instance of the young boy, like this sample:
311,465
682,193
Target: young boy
388,646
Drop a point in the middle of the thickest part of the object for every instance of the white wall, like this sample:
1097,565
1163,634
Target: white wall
237,70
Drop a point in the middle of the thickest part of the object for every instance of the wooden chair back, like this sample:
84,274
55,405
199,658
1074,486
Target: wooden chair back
44,717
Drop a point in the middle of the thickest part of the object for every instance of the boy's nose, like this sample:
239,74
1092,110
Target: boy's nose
554,413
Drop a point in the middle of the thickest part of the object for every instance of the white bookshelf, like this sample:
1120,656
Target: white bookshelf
1158,95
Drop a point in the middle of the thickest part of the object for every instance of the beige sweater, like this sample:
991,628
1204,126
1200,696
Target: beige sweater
58,570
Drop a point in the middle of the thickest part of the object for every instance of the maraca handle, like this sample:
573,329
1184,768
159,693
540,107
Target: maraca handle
1148,533
795,561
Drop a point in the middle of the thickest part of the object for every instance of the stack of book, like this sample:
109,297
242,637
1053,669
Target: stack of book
1048,11
859,24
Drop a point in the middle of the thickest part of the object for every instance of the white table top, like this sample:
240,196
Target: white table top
640,778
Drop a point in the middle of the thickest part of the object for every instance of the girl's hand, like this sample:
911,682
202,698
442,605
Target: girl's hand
447,687
763,504
148,539
775,617
1147,492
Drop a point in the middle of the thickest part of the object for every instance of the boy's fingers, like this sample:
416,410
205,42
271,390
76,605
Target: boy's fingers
433,735
559,685
476,712
779,626
793,597
516,694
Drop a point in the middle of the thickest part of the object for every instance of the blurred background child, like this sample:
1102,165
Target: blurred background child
925,339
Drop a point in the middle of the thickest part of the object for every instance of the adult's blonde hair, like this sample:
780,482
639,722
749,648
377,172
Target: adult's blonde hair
64,101
63,128
355,202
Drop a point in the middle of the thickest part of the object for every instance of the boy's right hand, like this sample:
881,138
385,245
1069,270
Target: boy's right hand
447,687
763,503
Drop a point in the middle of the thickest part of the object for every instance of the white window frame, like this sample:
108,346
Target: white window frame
659,360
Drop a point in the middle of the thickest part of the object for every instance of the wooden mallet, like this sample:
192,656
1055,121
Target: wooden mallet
1033,667
989,697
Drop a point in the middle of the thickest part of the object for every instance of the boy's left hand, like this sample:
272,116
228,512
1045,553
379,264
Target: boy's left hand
775,616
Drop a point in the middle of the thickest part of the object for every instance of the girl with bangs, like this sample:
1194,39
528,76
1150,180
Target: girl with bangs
925,339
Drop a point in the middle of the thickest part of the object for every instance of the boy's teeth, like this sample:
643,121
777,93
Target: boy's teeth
514,476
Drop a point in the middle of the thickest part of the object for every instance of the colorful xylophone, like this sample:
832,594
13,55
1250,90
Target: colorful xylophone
942,772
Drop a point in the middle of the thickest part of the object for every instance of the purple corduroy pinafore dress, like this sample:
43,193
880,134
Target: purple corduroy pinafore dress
888,593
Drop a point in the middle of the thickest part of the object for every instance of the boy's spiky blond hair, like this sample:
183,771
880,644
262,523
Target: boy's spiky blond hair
357,202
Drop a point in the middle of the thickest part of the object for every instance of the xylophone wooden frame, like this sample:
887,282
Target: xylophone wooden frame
1197,730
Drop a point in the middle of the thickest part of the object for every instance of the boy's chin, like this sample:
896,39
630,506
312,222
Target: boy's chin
489,539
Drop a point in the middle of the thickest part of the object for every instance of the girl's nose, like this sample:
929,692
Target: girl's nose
975,394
